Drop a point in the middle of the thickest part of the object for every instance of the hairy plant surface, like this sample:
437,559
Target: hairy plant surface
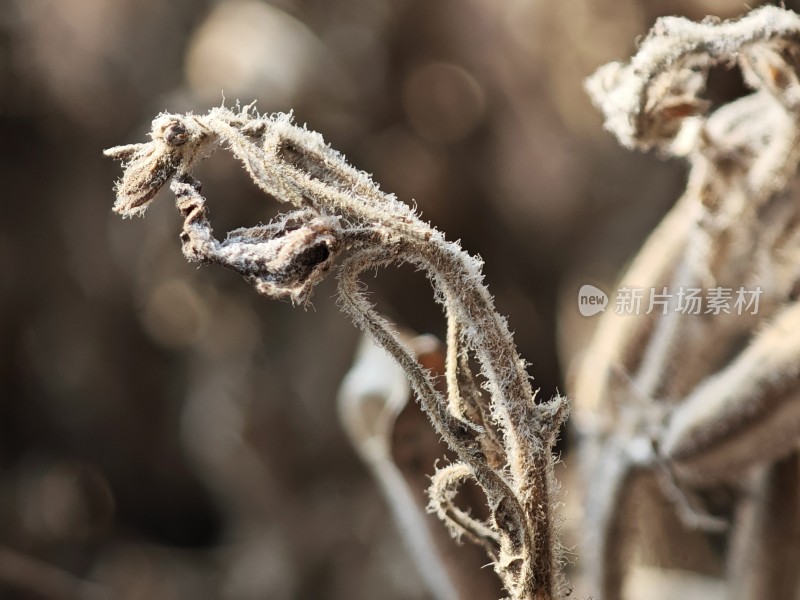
503,439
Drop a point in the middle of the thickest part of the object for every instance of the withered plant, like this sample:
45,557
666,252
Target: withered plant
502,437
692,420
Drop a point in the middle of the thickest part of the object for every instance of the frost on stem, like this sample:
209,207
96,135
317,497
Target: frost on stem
697,402
503,438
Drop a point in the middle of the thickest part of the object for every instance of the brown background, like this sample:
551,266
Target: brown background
166,432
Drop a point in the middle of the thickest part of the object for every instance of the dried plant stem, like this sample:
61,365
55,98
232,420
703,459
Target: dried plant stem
767,546
372,395
516,528
504,441
414,530
701,400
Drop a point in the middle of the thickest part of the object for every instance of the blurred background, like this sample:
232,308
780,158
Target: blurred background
166,433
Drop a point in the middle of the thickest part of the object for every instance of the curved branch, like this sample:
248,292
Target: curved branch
646,101
443,489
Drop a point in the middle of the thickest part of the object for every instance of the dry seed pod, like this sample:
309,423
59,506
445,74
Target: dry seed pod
148,167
